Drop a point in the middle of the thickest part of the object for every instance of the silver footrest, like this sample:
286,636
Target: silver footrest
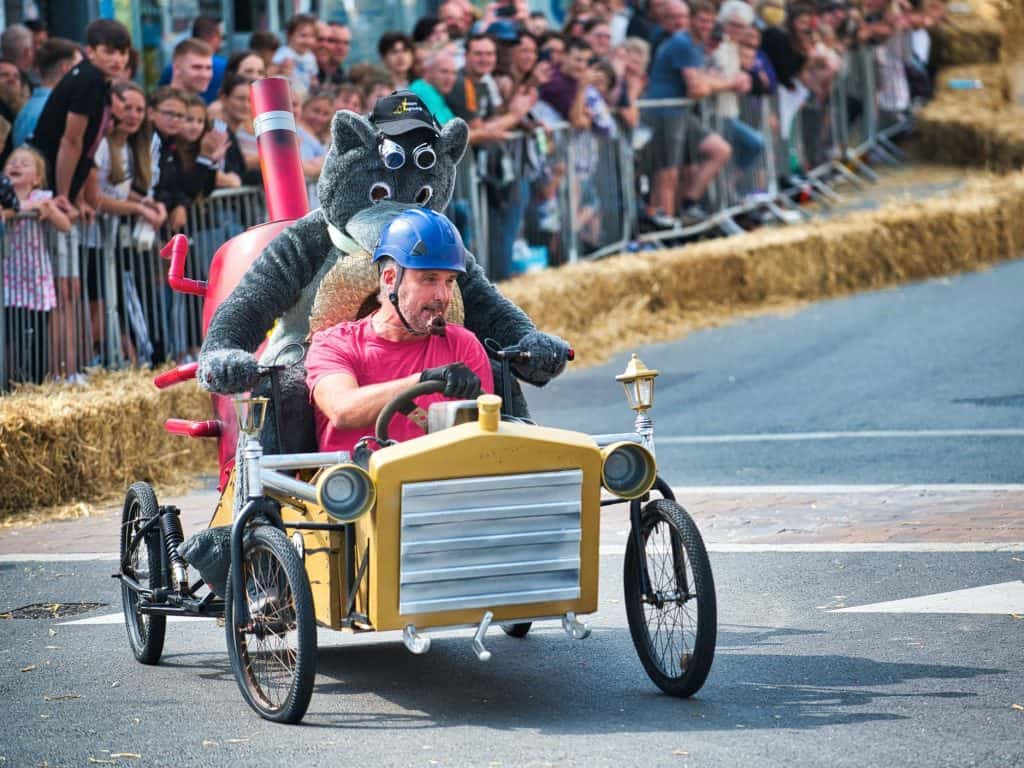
478,639
414,641
574,628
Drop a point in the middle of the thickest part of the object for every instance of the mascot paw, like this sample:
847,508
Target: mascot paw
227,371
548,355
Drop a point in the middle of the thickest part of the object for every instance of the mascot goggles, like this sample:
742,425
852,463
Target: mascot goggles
392,154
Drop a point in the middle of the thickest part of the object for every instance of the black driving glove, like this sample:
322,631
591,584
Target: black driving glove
459,381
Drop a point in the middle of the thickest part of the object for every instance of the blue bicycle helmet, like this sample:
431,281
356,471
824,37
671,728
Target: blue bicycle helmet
419,238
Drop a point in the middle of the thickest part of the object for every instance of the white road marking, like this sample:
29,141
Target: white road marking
826,547
619,549
1004,598
683,491
118,618
864,434
68,557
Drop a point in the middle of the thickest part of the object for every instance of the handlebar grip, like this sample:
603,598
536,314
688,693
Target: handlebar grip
209,428
572,354
176,375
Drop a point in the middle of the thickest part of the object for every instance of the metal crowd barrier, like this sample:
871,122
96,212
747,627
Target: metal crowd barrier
98,295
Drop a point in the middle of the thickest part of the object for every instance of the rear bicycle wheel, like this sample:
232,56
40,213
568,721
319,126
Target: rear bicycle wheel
142,560
273,656
673,627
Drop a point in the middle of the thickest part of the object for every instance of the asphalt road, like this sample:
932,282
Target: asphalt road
922,383
902,386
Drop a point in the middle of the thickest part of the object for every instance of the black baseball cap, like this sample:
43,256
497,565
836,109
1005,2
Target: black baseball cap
402,112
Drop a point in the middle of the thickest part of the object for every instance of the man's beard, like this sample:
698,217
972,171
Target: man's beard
427,319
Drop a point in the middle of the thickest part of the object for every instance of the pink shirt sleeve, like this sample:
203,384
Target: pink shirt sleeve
331,351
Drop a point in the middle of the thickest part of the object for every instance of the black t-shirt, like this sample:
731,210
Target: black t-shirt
469,98
786,61
85,91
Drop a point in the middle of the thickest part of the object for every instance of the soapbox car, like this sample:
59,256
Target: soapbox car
485,519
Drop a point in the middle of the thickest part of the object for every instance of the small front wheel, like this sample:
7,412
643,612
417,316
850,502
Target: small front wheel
520,630
142,559
674,626
274,655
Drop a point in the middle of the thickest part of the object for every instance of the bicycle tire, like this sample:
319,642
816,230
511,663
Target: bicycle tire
677,666
281,609
147,566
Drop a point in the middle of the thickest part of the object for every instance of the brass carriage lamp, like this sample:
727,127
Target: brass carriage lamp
251,412
638,381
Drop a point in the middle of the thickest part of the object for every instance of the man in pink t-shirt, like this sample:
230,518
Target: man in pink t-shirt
354,368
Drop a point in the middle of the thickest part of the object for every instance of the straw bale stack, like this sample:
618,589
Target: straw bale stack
60,444
967,39
980,128
608,306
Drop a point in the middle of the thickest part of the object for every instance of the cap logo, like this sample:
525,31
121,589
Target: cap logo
404,107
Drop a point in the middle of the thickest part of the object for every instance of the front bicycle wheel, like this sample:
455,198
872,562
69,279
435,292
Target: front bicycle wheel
673,626
143,561
273,656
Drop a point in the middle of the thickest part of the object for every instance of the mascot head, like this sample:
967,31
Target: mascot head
395,159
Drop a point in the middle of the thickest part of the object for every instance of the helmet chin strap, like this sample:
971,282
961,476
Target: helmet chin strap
393,298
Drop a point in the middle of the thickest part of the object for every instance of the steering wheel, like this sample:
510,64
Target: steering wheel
404,403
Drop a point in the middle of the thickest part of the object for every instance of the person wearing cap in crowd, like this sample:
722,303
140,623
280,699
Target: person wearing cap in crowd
353,369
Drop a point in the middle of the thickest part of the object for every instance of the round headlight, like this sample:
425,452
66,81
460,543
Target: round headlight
629,470
346,492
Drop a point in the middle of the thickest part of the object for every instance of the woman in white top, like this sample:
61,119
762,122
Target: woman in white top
123,167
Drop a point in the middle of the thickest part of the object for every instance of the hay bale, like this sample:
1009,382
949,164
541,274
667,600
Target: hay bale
970,39
985,137
605,307
60,444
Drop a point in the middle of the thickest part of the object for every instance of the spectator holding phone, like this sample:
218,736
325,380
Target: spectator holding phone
76,114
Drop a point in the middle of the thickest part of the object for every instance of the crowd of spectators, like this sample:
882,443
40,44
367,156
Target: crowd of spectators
78,136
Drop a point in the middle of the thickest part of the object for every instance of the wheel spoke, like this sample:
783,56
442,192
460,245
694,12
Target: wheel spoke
667,615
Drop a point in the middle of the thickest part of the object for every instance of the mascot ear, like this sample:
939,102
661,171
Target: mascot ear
351,131
454,139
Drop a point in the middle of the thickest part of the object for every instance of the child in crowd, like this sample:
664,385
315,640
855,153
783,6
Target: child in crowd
296,60
264,45
29,291
167,113
202,152
313,126
349,97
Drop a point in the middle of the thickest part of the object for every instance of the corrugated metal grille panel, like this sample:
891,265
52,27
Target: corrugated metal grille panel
487,541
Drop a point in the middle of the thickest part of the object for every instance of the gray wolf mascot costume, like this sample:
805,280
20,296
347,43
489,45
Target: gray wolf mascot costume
396,158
